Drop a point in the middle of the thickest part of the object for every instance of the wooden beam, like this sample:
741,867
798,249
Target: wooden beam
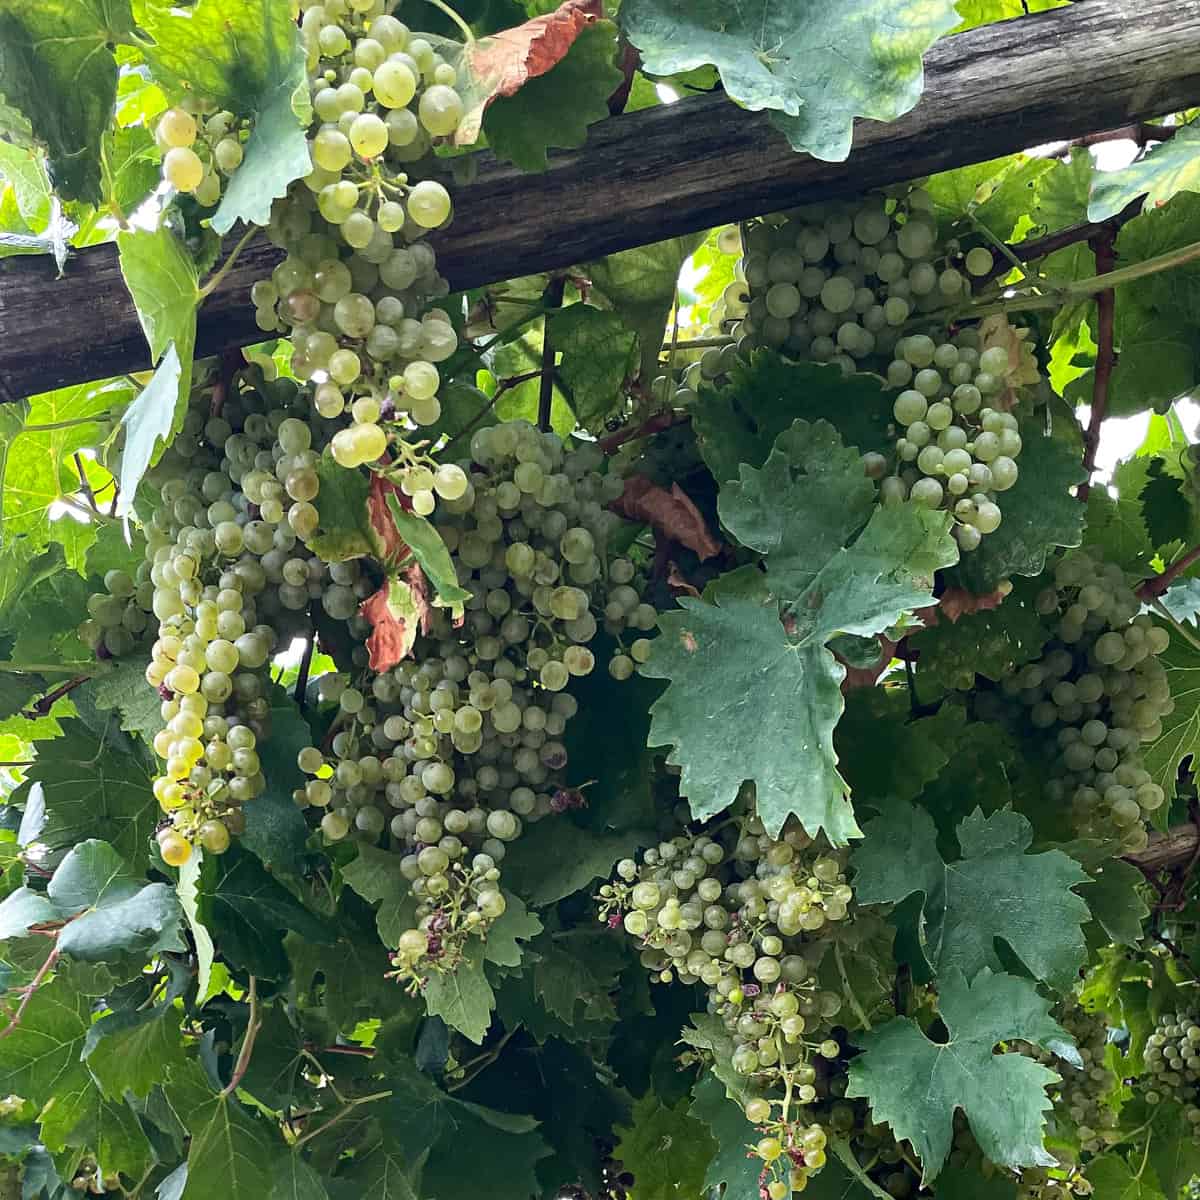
1173,848
1092,66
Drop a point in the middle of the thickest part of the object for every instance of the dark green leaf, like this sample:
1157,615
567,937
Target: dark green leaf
1171,166
463,998
598,354
230,1152
731,1167
916,1085
992,643
345,527
130,1051
426,544
995,891
667,1150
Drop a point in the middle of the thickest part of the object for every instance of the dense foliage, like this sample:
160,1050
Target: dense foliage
696,724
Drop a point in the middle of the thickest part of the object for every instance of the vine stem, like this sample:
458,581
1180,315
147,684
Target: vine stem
84,486
215,280
337,1116
483,1061
1154,587
305,666
442,6
30,989
1103,246
253,1024
554,298
47,702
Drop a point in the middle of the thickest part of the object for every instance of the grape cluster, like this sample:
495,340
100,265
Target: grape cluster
1082,1094
354,287
1099,691
449,753
1173,1063
954,452
225,581
738,919
199,150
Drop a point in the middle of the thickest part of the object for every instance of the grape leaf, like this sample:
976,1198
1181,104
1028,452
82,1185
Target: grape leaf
150,425
129,1051
563,981
463,998
598,354
996,891
992,643
84,1119
426,544
731,1166
810,472
1039,514
275,828
381,1174
92,789
916,1085
1181,728
816,67
345,529
739,422
1112,1177
1166,506
666,1150
58,82
1114,897
125,689
1171,166
985,12
163,281
555,109
39,1059
230,1152
296,1180
37,471
778,699
375,876
516,924
1182,600
108,912
1115,525
188,890
248,911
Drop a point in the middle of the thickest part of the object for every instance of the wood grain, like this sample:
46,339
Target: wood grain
642,177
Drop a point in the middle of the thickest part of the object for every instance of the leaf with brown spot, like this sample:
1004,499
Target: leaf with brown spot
672,514
500,65
956,602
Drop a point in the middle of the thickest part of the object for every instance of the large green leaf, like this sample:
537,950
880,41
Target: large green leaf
230,1152
37,470
248,911
1171,166
755,698
58,82
95,789
130,1051
739,422
992,643
731,1166
995,892
815,66
108,912
916,1085
555,109
150,425
375,876
39,1059
428,548
463,998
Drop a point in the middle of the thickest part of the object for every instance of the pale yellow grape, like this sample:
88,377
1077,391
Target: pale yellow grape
421,380
175,850
370,441
429,204
208,191
345,449
450,482
441,110
331,150
182,169
365,409
344,366
423,503
395,85
426,412
390,216
176,127
368,135
228,153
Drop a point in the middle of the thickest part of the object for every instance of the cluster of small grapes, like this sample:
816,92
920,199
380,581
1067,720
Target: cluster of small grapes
837,282
954,452
454,749
873,1144
1173,1063
738,919
199,149
1082,1094
1100,691
358,275
225,580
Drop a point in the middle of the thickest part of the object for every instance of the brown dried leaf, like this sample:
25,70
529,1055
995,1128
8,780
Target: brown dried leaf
670,513
957,602
500,65
395,548
1022,365
397,613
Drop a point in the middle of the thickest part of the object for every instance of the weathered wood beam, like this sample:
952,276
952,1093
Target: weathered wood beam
1092,66
1173,848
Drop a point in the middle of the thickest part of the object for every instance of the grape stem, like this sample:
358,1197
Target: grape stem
217,278
443,7
846,1156
337,1116
30,989
482,1061
253,1024
47,702
1104,247
305,666
1154,587
553,297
